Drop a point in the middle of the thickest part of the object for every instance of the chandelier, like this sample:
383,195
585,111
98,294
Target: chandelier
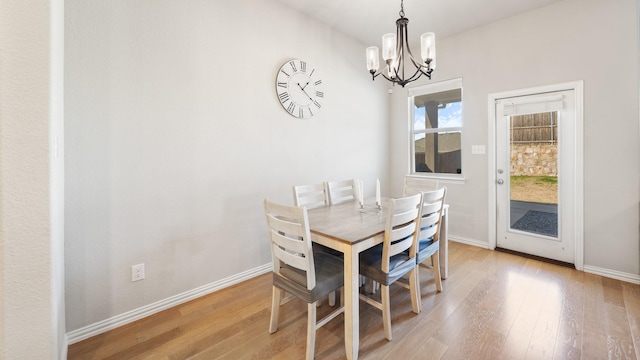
395,48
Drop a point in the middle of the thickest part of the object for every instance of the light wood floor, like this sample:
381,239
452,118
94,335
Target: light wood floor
494,306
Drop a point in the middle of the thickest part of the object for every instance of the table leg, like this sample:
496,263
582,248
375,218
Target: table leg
444,244
351,304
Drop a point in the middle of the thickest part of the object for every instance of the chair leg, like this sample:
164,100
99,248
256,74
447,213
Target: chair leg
435,258
275,309
415,291
386,311
369,286
311,330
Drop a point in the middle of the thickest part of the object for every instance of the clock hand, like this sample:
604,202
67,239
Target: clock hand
304,91
305,85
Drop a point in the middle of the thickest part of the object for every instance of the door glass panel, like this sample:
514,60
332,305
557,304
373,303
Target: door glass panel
534,173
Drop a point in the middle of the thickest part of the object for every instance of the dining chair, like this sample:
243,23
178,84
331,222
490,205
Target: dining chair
311,196
297,269
388,262
342,191
429,234
414,185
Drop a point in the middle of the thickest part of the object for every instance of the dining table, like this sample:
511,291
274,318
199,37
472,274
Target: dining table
351,229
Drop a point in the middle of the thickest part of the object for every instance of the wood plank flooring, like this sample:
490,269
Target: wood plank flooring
494,306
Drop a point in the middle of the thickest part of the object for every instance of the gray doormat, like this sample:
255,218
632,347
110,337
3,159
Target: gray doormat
538,222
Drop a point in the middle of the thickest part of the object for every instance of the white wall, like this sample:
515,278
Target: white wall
174,136
32,317
591,40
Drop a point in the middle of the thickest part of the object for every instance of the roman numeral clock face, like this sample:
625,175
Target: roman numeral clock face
299,89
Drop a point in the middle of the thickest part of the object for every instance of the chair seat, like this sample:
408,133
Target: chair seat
426,248
371,265
329,277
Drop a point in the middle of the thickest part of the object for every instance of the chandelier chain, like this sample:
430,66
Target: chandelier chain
401,13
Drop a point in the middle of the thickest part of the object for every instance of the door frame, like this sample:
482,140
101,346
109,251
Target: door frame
578,91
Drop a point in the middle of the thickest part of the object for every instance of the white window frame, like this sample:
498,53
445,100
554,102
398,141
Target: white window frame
425,90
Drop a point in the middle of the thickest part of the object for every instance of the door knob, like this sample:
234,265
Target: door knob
500,181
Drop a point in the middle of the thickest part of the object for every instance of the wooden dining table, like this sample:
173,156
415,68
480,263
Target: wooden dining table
349,229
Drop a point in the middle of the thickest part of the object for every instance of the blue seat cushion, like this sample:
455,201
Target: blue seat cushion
371,265
426,249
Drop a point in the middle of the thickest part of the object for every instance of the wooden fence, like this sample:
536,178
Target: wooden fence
534,128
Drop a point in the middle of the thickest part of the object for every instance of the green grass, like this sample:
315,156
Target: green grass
522,180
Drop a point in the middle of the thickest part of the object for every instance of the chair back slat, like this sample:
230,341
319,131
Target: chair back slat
290,227
293,259
429,232
311,196
429,219
341,191
404,217
290,238
291,243
430,208
399,246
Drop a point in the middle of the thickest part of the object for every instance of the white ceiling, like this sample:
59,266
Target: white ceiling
367,20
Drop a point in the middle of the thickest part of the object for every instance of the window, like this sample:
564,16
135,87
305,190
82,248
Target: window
436,128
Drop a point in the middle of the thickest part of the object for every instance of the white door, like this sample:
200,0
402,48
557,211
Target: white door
536,174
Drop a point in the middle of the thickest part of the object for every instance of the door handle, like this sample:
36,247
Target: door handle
500,181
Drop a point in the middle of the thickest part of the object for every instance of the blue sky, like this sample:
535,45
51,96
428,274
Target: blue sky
450,116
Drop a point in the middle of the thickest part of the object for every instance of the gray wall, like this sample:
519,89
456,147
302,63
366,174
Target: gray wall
174,136
591,40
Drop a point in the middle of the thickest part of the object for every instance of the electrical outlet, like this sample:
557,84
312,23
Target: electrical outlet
137,272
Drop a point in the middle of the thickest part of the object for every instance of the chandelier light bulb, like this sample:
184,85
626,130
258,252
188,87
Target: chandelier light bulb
428,46
373,59
389,46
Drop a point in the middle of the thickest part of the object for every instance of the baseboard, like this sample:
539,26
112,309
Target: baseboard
618,275
469,241
139,313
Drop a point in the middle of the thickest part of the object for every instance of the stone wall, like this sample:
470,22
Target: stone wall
534,159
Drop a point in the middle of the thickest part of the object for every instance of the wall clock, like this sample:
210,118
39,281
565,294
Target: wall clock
299,89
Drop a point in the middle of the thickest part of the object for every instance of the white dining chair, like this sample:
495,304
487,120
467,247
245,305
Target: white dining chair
388,262
298,270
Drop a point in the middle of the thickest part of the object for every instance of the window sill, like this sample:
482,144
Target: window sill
446,179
